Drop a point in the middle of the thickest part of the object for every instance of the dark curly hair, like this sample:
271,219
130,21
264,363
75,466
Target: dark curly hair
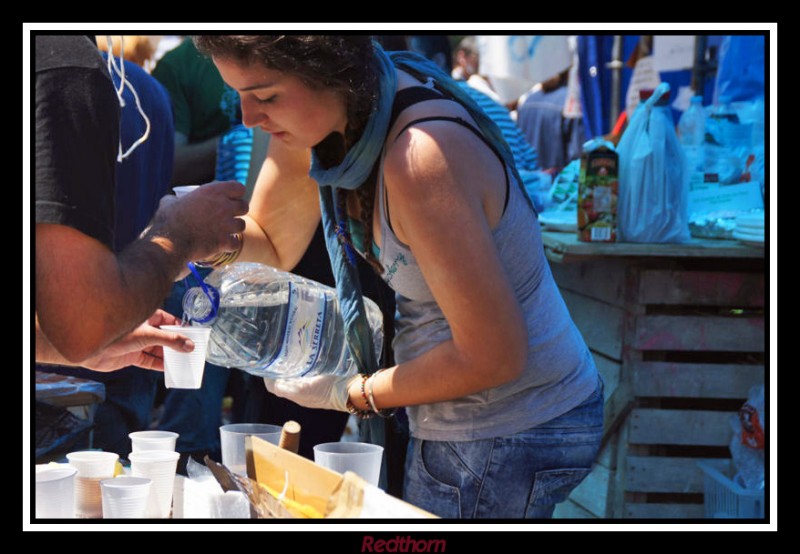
342,63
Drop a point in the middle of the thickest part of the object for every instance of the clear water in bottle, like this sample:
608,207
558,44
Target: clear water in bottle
276,324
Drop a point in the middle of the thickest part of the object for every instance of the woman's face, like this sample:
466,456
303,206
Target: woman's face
282,105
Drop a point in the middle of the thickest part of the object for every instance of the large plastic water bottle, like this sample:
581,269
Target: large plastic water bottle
271,323
691,133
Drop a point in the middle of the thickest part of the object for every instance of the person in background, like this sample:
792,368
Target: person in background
138,49
88,297
558,140
504,400
196,90
143,178
466,62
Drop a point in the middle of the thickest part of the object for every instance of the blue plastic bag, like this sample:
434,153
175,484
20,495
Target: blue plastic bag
653,177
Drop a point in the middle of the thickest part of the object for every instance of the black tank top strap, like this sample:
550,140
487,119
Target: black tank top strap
476,132
409,96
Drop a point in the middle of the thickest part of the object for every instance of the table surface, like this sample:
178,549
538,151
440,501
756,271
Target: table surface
559,245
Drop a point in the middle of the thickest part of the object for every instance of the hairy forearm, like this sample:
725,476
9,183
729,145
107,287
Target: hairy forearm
195,163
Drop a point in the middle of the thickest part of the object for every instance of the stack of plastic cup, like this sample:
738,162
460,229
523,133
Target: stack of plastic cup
55,491
125,497
159,466
184,370
93,466
232,437
361,458
153,440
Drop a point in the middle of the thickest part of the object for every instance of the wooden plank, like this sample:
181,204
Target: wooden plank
609,371
617,406
687,427
568,246
699,333
616,490
663,511
570,510
706,288
600,279
592,493
668,379
599,323
663,474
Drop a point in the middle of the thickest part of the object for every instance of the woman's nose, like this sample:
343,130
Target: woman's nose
251,115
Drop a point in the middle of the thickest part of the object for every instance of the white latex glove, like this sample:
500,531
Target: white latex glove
328,392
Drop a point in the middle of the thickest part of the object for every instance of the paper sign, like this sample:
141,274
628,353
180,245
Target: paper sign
673,52
741,197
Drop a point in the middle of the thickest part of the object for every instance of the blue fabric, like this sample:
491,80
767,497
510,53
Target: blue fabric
523,475
741,73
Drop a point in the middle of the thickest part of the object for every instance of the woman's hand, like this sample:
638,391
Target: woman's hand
142,347
328,392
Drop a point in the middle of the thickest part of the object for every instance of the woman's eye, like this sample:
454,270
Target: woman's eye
268,100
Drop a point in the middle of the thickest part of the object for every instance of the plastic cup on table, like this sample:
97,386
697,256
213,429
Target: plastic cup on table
125,497
184,370
183,190
160,467
232,437
93,466
55,491
153,440
361,458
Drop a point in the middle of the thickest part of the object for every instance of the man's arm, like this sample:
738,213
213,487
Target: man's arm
142,347
87,297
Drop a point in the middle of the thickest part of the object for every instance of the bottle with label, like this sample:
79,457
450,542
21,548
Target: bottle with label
691,133
271,323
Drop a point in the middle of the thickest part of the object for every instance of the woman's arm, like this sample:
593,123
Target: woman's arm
446,191
284,209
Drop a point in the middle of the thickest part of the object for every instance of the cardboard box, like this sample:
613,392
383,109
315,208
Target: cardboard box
308,490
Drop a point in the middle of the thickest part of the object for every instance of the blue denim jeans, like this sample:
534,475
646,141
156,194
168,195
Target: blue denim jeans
516,476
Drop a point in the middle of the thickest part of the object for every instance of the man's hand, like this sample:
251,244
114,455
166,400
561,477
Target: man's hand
142,347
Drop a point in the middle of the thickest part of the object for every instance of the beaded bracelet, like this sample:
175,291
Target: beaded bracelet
361,414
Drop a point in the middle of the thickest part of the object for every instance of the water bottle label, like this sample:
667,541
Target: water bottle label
303,336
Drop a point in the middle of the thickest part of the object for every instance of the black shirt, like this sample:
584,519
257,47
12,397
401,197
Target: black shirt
77,136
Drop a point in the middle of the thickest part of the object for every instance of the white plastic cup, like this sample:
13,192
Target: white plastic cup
153,440
183,190
55,491
93,466
232,438
361,458
160,467
184,370
125,497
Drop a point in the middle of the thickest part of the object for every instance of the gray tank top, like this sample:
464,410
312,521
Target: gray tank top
560,372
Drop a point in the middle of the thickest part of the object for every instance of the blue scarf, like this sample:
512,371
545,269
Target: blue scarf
352,172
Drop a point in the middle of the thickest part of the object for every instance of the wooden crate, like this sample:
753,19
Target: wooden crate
679,343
